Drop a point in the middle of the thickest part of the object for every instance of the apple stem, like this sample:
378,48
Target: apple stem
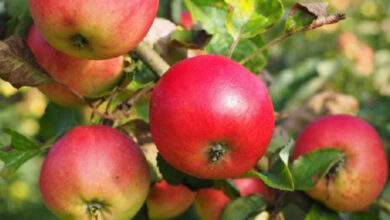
217,151
79,41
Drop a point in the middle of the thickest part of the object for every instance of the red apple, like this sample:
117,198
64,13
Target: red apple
94,172
94,29
186,20
166,201
355,182
89,78
210,203
211,118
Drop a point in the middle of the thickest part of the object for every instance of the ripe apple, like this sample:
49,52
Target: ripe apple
211,118
94,172
166,201
209,203
89,78
356,181
94,29
186,20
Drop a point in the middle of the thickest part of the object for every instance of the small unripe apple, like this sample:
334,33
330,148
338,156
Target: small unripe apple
210,203
166,201
186,20
94,29
211,118
90,78
94,172
358,179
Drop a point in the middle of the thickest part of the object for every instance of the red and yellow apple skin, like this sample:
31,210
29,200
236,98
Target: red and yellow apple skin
210,203
166,201
90,78
94,172
211,118
93,29
359,180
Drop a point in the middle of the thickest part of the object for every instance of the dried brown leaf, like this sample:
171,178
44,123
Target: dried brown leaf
320,12
18,66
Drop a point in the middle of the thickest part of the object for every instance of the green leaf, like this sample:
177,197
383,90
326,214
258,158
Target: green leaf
17,64
211,17
142,109
248,18
309,168
298,19
19,141
193,39
21,150
279,140
319,212
279,175
289,82
142,77
363,216
5,140
176,177
20,18
14,159
310,16
246,47
244,207
53,126
229,188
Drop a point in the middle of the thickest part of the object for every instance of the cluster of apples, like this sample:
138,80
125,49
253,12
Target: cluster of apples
81,43
209,116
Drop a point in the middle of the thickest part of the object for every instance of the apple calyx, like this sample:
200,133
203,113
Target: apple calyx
79,41
94,208
216,151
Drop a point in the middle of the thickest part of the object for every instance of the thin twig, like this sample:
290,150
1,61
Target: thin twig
269,44
319,22
110,98
233,47
78,95
122,110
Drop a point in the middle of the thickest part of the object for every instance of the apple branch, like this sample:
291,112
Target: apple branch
152,58
156,63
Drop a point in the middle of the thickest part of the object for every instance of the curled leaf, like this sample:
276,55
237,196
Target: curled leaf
311,16
18,66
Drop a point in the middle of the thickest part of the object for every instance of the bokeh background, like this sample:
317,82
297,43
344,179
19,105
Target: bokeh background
340,68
